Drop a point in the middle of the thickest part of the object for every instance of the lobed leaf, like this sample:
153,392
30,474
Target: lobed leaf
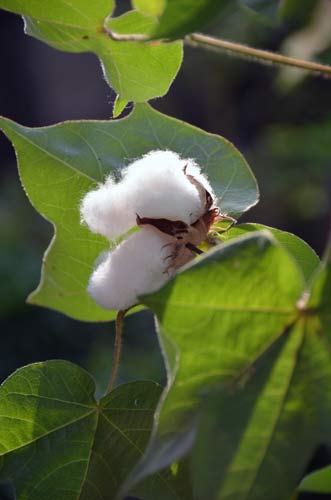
57,441
136,71
59,164
249,372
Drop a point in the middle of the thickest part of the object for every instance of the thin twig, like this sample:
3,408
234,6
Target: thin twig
117,348
218,44
212,43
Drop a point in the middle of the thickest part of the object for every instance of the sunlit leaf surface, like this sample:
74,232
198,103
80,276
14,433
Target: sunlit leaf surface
249,369
136,71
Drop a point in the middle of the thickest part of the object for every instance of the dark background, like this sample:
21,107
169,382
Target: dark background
283,130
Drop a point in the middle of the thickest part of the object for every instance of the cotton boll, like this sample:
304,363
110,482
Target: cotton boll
136,267
106,210
154,186
158,187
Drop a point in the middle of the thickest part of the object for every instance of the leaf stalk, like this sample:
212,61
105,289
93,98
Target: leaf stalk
117,349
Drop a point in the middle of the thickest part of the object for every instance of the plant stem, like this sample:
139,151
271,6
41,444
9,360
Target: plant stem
212,43
117,348
218,44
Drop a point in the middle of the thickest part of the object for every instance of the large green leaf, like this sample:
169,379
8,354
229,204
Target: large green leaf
58,442
137,71
249,360
303,254
265,433
180,17
59,164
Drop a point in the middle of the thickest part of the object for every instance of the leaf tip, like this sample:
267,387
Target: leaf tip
119,106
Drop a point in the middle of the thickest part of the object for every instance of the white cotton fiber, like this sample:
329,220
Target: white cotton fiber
106,210
160,185
153,186
159,188
136,267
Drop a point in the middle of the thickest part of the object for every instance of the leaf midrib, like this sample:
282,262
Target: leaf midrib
41,436
48,153
217,308
277,418
141,452
89,456
38,396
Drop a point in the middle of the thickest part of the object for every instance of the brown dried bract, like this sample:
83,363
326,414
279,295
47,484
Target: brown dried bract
186,238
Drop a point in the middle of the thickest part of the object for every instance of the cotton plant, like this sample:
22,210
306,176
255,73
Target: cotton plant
174,206
246,344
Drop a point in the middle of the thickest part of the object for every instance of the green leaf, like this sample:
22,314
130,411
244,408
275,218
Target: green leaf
303,254
249,364
76,13
150,7
132,22
136,71
184,16
59,164
56,441
265,432
119,106
318,481
204,310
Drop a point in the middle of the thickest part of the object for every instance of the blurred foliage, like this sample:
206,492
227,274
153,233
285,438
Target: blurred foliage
298,159
263,11
311,42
